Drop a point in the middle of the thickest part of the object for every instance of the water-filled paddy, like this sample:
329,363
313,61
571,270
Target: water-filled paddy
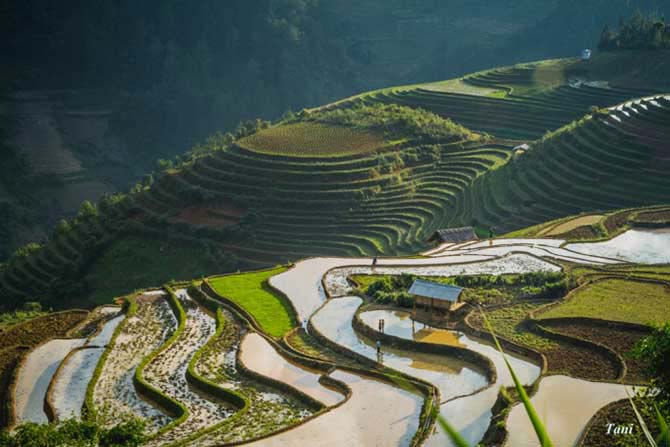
452,376
377,414
69,388
35,375
638,246
470,415
337,284
106,333
258,355
302,283
565,405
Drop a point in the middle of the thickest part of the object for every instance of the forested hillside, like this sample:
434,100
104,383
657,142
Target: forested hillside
93,94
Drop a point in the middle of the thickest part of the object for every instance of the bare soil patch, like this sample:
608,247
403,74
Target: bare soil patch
219,216
571,225
620,413
619,340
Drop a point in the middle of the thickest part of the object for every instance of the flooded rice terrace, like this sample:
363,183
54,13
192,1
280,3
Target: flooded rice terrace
452,376
638,246
258,355
565,405
376,414
470,415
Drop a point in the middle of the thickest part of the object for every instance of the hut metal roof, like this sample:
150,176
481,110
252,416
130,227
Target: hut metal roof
456,235
429,289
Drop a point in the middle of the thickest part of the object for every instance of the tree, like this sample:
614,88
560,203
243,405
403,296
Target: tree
655,351
87,210
63,227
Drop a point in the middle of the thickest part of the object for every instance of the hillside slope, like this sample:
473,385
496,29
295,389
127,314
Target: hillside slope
525,101
253,204
615,158
360,178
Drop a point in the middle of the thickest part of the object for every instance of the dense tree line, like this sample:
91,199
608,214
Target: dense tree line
640,32
74,433
184,69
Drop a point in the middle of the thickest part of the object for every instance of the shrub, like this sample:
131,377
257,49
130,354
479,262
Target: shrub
397,122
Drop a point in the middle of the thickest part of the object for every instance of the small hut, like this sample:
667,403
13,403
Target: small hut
453,235
435,296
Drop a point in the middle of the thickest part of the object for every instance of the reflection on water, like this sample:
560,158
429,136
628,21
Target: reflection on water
35,375
470,415
565,405
453,377
639,246
259,356
377,414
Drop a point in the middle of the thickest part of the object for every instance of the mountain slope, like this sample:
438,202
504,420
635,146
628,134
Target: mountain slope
359,178
615,158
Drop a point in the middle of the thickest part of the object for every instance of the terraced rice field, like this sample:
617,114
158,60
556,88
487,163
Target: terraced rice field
34,377
183,350
114,393
637,246
307,190
560,403
68,390
606,162
470,415
259,356
268,409
66,394
617,300
167,372
313,140
377,414
536,101
251,292
451,376
571,225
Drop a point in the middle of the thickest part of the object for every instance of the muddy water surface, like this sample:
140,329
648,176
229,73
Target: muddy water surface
453,377
565,405
35,375
377,414
259,356
69,389
639,246
470,415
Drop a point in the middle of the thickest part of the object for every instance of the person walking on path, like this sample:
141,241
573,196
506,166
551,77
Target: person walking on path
379,347
374,261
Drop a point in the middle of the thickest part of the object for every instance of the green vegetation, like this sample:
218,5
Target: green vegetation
605,161
73,433
308,139
655,350
133,263
175,408
437,175
397,123
538,426
251,292
598,227
17,339
479,289
509,321
30,311
38,330
617,300
639,33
